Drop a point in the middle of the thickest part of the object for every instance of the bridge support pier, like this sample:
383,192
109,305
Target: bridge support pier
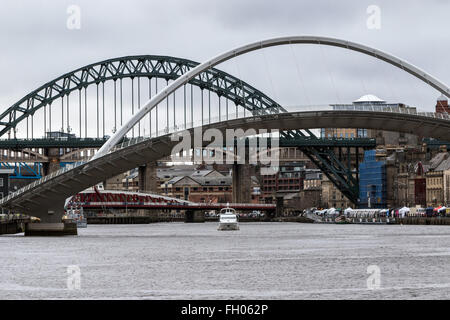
51,222
242,183
280,206
51,229
148,179
53,164
194,216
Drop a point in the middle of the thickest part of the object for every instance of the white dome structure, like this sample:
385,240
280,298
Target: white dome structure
369,99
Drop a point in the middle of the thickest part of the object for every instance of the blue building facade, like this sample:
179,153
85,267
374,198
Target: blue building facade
372,182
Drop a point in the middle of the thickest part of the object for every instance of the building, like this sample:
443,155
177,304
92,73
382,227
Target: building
311,195
4,183
372,181
446,178
287,179
130,181
116,182
420,186
331,196
203,189
347,133
383,137
435,179
312,180
442,105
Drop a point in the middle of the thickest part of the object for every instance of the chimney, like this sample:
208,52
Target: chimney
442,105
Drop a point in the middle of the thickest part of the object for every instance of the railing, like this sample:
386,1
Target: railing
181,204
232,205
371,108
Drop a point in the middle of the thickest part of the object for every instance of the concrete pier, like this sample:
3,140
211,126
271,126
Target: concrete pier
12,227
51,229
194,216
242,184
424,220
148,180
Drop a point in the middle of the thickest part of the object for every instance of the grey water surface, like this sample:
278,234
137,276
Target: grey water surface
261,261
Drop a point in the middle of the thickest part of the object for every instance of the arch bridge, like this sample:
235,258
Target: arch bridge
252,110
234,98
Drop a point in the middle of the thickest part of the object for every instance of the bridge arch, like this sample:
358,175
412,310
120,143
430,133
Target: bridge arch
150,66
395,61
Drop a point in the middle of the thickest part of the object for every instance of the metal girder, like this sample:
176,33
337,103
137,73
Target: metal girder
23,170
169,68
18,144
342,176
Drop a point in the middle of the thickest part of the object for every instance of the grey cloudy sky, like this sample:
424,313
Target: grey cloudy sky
36,45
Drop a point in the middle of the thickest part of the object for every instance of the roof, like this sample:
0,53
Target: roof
444,165
169,174
175,179
442,98
204,181
369,98
313,176
437,160
132,175
213,181
290,196
204,173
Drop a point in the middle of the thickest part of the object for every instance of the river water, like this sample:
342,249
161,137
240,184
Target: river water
261,261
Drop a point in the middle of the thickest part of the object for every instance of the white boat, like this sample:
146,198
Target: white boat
228,219
76,215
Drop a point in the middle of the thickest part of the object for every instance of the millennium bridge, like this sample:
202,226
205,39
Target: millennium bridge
178,95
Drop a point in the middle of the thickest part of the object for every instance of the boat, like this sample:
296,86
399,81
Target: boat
228,219
76,215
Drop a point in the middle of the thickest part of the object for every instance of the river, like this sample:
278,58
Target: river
261,261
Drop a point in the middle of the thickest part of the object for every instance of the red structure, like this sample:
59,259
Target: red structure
96,199
420,186
442,105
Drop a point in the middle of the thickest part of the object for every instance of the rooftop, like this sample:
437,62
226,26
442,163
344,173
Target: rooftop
369,98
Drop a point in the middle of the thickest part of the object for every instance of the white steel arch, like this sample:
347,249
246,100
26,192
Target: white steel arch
160,96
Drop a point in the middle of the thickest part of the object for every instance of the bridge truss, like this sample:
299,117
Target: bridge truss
243,97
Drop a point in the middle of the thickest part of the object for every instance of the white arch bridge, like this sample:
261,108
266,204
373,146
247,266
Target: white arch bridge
45,197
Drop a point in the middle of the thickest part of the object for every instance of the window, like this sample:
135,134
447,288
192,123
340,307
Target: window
1,182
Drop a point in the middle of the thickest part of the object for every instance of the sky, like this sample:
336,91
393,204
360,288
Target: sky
37,46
